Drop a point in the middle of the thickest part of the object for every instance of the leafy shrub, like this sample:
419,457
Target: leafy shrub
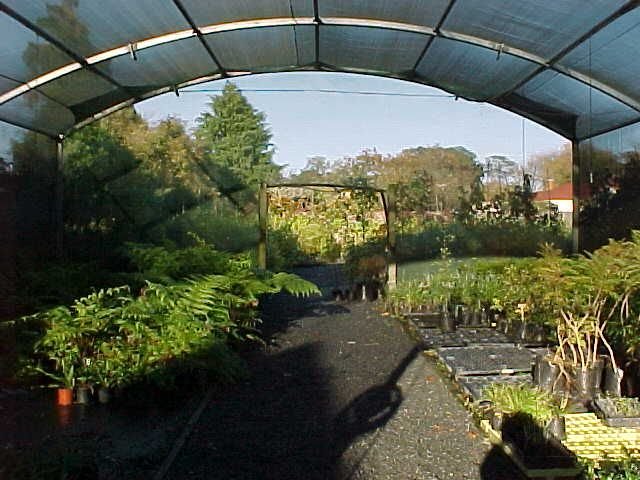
165,265
114,338
222,229
505,238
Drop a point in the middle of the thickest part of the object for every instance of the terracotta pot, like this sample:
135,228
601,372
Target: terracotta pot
64,396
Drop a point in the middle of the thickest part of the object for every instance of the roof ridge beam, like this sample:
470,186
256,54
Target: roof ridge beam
200,36
317,21
437,28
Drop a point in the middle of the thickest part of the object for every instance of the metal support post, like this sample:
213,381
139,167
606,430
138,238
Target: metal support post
59,200
263,212
389,201
576,180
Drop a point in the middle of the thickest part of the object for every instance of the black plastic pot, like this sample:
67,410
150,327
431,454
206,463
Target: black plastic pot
372,290
83,395
546,373
475,319
556,428
612,380
496,420
104,395
467,317
586,381
484,318
357,292
447,322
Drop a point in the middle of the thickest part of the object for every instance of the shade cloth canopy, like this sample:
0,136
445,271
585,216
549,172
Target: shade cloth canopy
571,65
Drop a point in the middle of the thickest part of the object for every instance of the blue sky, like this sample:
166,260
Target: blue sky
337,125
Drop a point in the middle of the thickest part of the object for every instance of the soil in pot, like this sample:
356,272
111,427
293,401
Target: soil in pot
64,396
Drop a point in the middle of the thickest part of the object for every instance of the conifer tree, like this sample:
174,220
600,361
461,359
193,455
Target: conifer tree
234,142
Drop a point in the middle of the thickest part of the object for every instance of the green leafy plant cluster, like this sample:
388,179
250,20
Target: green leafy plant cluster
325,225
168,265
498,285
114,338
511,399
628,469
483,238
627,406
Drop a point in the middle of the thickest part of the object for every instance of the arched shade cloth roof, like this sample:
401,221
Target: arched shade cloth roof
571,65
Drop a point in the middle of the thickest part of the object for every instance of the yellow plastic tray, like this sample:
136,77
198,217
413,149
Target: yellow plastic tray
588,437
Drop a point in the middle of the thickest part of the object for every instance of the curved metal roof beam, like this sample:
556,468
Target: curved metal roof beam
304,68
336,21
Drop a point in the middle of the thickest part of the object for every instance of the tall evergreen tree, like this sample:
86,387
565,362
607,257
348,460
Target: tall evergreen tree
234,142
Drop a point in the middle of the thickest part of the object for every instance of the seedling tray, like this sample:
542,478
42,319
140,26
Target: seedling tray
486,360
424,319
605,409
473,385
434,338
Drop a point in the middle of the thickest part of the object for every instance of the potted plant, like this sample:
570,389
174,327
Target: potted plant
587,295
509,399
530,424
64,377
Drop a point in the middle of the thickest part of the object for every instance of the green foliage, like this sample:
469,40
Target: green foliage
628,469
626,406
114,338
221,227
235,142
324,225
512,399
165,265
504,238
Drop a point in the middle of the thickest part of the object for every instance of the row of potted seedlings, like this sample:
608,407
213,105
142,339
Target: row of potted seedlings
111,339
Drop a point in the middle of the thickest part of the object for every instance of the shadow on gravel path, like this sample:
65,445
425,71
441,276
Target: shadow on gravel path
340,392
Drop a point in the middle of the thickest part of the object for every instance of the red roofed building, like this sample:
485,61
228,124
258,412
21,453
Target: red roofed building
558,199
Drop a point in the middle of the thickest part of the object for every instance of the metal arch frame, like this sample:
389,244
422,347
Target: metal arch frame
387,198
79,61
89,62
322,67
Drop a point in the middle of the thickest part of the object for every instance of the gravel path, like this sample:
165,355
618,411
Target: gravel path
340,392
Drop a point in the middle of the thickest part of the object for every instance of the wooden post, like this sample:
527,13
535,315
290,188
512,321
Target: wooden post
263,212
576,181
59,200
389,200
